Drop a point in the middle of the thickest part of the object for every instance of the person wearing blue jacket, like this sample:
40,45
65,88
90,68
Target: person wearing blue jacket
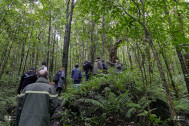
76,75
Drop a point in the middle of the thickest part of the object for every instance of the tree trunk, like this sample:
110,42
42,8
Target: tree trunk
22,55
92,46
67,39
103,35
4,64
186,57
52,58
179,54
49,39
113,51
141,67
184,69
170,74
129,57
26,57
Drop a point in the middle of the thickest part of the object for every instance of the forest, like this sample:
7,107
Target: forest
150,38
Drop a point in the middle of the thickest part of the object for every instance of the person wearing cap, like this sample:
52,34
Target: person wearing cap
37,102
26,79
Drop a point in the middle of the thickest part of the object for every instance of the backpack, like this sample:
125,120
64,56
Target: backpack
85,66
104,66
56,77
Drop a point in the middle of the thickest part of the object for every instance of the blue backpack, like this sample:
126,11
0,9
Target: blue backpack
56,77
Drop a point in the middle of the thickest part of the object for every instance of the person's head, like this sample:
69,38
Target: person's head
98,57
76,65
63,69
32,69
43,73
44,63
117,61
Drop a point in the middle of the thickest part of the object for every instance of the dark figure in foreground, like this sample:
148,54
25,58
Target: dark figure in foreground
87,67
98,68
105,67
26,79
76,75
60,80
37,102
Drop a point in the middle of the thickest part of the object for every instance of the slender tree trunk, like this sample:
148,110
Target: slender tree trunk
123,53
67,39
49,39
186,57
143,77
129,57
22,55
5,61
93,46
103,35
169,72
26,57
184,69
179,54
149,63
52,58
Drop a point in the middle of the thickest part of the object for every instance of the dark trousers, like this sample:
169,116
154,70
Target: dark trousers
59,90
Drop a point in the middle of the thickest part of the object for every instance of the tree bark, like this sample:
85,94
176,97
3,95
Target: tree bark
67,39
22,55
113,51
103,35
49,39
92,46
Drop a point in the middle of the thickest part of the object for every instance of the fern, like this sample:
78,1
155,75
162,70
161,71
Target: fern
91,101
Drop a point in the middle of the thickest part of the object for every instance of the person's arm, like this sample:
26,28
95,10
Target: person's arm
112,64
53,100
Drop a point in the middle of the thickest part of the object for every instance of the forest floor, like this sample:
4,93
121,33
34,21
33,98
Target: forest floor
104,101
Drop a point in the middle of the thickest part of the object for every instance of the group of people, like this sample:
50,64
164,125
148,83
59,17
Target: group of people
38,97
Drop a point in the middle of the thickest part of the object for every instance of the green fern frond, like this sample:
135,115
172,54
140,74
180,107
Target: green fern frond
91,101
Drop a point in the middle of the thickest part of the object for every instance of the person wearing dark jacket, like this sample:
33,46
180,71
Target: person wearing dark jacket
105,67
59,84
26,79
87,67
37,102
76,75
